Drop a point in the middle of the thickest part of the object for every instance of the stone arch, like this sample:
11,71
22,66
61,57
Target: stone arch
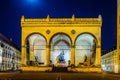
37,49
63,34
96,40
60,44
85,49
35,33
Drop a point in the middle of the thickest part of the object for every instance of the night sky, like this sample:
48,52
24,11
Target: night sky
12,10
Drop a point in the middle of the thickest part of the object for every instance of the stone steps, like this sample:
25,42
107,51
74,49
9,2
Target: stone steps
59,69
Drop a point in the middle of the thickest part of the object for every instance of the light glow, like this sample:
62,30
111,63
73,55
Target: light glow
116,68
32,1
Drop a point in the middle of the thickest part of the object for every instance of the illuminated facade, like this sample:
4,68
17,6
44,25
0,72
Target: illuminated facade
61,42
10,56
118,35
111,60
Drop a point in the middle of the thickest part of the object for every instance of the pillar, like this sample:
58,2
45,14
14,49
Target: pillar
117,62
98,56
23,56
47,55
73,54
118,36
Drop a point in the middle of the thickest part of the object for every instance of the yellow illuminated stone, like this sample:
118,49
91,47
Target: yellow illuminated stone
72,27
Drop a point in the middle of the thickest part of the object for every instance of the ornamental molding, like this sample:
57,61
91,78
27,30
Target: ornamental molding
60,21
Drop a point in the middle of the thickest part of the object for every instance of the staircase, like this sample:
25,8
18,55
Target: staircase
59,69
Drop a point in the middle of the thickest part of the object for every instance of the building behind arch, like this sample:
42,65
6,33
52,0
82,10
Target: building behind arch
10,55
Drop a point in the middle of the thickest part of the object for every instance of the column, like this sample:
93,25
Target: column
98,56
118,36
23,56
73,54
48,55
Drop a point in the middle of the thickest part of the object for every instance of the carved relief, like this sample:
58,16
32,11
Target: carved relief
73,31
48,31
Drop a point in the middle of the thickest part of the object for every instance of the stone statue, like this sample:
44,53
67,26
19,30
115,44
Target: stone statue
61,57
85,58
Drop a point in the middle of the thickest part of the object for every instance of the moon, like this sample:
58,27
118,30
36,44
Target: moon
33,2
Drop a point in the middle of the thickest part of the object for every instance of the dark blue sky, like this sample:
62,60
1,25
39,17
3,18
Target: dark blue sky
12,10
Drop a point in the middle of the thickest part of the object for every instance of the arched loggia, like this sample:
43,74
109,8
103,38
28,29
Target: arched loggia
85,50
60,49
36,49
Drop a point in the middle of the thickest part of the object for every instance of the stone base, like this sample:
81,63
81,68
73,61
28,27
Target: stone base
88,69
60,65
78,69
32,68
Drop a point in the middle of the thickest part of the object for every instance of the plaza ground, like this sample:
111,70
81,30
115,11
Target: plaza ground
57,76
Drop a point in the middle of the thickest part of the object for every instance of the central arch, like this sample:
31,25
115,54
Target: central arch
60,49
